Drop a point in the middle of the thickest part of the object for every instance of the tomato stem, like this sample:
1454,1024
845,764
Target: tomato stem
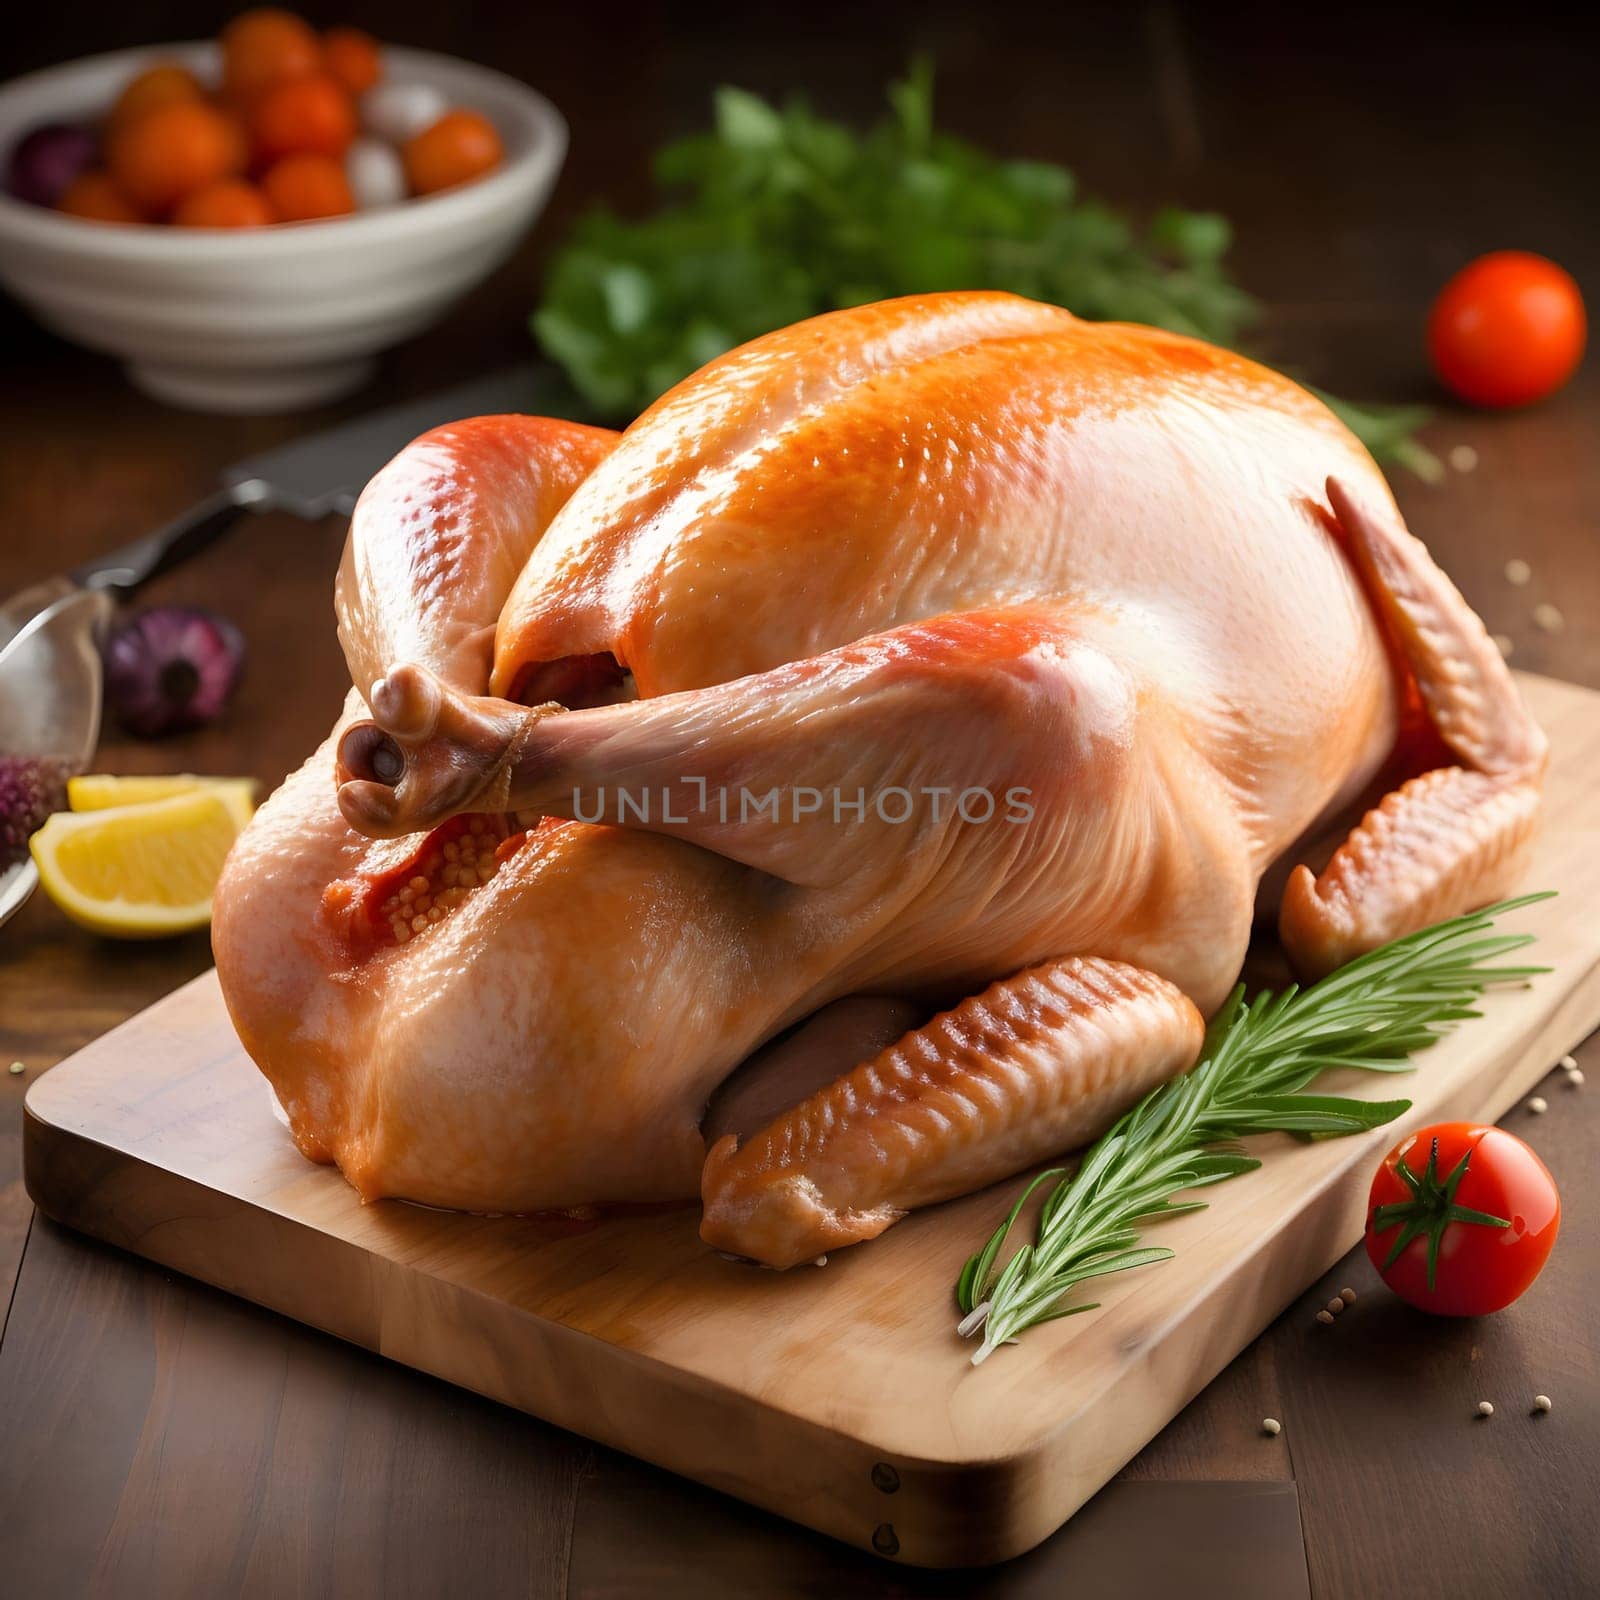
1430,1210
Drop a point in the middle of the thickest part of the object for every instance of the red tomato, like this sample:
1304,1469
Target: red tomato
353,58
1461,1218
156,86
460,146
171,151
307,188
1507,330
229,203
306,116
263,47
93,195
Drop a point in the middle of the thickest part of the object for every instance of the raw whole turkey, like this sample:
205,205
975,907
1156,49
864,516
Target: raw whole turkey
856,781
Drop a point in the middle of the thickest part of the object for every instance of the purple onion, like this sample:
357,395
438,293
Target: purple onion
30,789
171,668
46,160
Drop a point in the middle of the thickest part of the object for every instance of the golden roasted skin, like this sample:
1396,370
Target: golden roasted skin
952,544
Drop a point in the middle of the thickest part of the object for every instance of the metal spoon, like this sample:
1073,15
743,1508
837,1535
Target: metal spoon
50,691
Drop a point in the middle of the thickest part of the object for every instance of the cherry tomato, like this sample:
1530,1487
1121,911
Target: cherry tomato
302,116
93,195
155,86
1461,1218
263,47
352,58
460,146
306,188
171,151
1507,330
230,203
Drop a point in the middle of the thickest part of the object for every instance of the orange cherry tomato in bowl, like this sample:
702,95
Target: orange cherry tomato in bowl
310,115
230,203
263,47
1507,330
1461,1218
460,146
307,189
155,86
353,58
92,195
172,150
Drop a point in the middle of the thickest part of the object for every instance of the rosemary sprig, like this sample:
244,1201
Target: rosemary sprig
1254,1068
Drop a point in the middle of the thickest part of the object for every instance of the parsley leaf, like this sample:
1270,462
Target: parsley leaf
778,214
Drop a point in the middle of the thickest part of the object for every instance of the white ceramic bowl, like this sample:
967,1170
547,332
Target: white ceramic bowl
267,319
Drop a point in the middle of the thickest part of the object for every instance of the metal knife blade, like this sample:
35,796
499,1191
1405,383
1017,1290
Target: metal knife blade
325,473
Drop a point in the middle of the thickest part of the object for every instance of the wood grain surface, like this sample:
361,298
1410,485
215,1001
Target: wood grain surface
841,1397
175,1441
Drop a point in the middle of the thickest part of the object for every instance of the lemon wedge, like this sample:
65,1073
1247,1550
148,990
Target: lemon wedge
97,791
141,871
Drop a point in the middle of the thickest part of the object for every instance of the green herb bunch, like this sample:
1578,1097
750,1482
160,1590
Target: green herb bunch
780,214
1258,1059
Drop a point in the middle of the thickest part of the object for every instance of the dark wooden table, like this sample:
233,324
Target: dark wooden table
159,1438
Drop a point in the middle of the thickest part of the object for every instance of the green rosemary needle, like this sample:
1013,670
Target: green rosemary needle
1258,1058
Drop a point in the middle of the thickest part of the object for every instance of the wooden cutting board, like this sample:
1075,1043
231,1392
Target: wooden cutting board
840,1396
